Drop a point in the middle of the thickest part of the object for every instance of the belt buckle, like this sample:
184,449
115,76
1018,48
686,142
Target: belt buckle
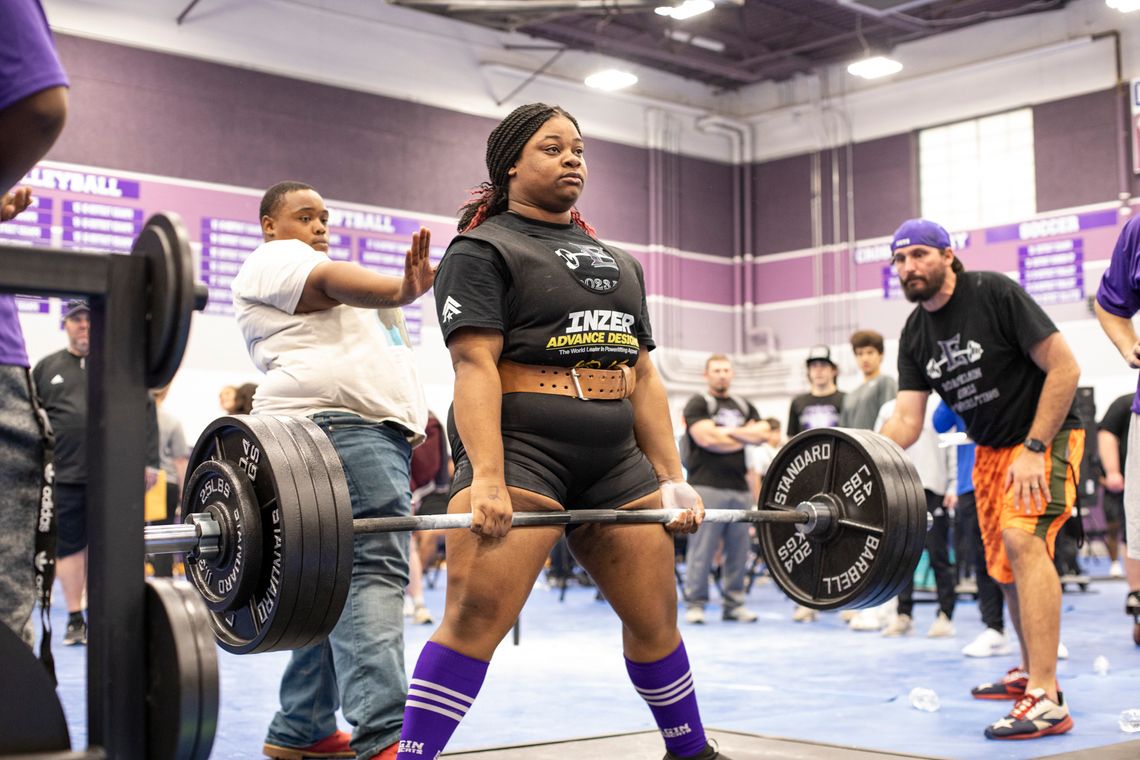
577,385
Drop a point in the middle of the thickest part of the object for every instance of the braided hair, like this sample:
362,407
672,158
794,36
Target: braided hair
504,145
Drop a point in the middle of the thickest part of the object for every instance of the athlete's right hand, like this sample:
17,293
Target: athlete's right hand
491,509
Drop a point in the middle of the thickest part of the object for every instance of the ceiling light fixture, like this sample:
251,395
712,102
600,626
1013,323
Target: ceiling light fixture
610,80
874,67
1124,6
702,42
685,10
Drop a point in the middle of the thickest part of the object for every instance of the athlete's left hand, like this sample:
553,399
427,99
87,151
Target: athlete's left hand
419,274
677,494
1027,477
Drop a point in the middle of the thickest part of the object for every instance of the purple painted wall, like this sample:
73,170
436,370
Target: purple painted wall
886,184
156,113
1075,148
782,204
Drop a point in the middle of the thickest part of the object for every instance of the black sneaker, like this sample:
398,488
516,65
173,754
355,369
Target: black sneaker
76,633
710,752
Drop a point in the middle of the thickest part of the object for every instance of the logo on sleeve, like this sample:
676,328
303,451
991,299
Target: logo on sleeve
592,265
451,307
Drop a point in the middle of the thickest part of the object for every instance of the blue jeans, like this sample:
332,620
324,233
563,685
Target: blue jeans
702,546
360,667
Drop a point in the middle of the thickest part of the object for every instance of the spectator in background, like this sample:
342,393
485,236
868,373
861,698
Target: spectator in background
860,410
227,396
937,467
173,455
1112,448
823,403
861,406
33,108
61,382
431,481
243,398
720,426
819,407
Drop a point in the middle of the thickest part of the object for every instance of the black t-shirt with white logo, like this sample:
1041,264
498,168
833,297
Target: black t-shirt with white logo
61,383
712,468
975,353
559,296
808,411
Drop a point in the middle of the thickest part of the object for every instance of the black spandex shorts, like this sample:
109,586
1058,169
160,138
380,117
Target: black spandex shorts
582,454
71,509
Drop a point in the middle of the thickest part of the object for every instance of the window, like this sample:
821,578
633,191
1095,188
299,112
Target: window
978,173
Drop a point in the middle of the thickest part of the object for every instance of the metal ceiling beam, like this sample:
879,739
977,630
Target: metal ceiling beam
527,6
886,18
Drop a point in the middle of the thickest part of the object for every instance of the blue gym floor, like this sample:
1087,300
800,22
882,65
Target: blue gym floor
817,682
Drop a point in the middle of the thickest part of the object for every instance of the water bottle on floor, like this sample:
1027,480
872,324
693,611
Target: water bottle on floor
1100,665
924,699
1130,721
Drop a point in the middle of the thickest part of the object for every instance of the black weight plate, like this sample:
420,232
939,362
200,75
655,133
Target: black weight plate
174,682
346,536
244,441
894,538
170,274
916,527
315,551
833,570
209,687
336,530
899,530
226,580
877,586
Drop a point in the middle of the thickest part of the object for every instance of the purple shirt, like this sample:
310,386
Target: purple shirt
12,349
28,64
1119,291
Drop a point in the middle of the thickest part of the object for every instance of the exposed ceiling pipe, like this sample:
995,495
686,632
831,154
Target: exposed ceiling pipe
527,6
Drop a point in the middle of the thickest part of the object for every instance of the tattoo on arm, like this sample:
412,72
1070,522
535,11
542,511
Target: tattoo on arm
494,495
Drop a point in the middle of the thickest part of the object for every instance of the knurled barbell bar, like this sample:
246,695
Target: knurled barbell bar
269,530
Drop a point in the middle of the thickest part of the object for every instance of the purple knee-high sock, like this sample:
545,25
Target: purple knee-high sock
443,686
667,687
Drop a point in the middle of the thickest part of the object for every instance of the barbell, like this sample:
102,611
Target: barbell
269,530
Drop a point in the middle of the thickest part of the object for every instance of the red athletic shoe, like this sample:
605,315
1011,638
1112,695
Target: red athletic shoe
388,753
334,745
1012,686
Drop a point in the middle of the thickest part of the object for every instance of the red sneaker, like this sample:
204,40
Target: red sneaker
1012,686
333,745
388,753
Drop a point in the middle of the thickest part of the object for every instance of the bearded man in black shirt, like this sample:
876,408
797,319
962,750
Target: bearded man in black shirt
995,357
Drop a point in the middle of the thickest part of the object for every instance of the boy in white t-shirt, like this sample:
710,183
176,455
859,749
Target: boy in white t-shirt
331,339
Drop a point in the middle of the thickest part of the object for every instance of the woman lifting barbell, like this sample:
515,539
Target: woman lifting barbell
557,406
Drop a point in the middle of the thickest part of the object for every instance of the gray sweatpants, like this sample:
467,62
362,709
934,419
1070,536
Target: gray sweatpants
21,458
1132,489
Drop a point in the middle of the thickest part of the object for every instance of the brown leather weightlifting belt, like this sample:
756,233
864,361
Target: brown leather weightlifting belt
576,382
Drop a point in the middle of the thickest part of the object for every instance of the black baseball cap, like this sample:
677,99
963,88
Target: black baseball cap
74,306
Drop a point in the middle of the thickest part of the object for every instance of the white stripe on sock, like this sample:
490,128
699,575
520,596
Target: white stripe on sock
663,702
442,700
432,708
444,689
686,686
644,692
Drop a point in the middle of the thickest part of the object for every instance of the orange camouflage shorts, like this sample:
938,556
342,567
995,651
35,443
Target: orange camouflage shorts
996,511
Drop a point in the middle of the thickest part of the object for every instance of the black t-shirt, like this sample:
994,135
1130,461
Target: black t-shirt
975,353
61,383
559,296
808,411
711,468
1116,421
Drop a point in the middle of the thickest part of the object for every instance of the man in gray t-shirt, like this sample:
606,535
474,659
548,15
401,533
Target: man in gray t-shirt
861,406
